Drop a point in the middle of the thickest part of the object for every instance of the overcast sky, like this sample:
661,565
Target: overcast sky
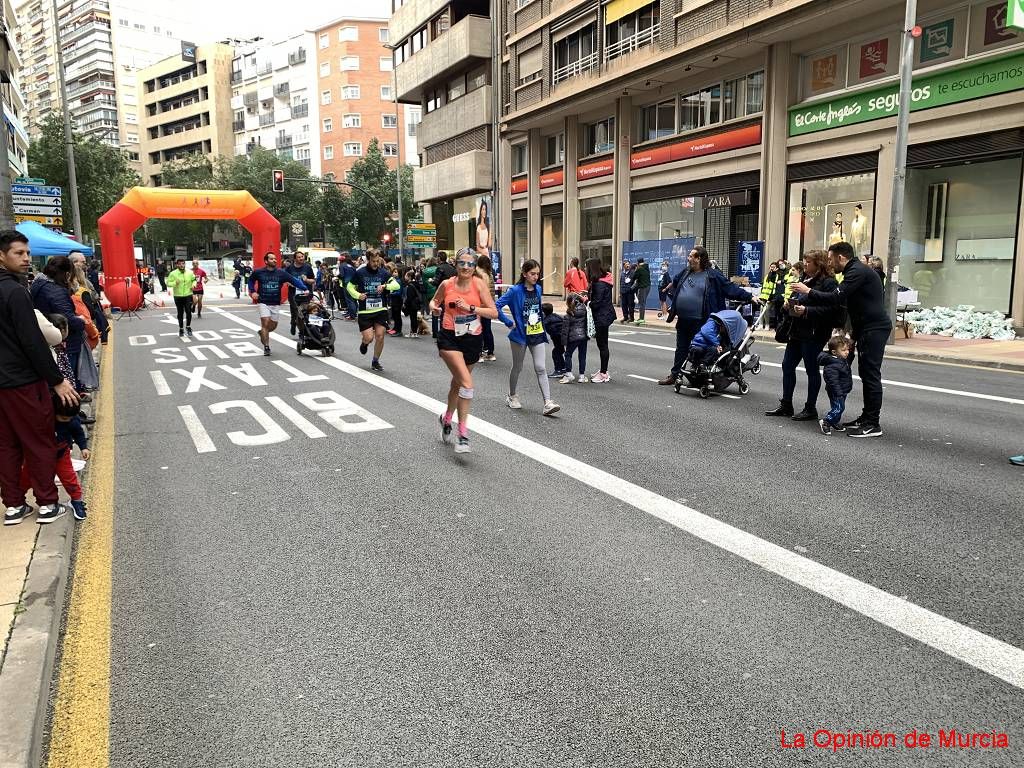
272,19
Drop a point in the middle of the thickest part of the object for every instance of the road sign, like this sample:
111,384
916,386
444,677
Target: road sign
27,180
421,239
36,199
51,221
421,245
36,189
421,229
46,209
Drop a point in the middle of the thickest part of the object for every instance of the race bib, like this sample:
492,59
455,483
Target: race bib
315,321
534,325
374,303
467,325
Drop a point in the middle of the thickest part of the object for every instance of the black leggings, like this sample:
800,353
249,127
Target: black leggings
602,346
184,305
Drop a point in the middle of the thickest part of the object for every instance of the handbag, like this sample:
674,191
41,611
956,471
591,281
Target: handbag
591,325
783,329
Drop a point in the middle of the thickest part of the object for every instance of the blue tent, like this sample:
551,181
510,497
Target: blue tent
45,242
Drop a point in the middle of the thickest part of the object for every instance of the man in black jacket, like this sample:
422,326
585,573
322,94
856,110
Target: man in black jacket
444,269
27,371
862,295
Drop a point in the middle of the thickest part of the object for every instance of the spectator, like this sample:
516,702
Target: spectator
664,281
861,293
90,295
575,278
601,307
642,283
485,270
413,303
26,410
93,273
627,292
87,372
51,294
161,274
553,328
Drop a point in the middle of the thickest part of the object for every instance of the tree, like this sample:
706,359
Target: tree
367,215
103,172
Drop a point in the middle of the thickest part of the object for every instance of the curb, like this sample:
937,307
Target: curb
28,665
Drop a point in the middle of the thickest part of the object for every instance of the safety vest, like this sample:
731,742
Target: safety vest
768,289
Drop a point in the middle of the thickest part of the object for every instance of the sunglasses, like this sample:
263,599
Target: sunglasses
468,264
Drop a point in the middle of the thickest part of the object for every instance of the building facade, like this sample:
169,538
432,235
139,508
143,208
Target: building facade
185,109
273,99
355,93
725,122
443,58
13,99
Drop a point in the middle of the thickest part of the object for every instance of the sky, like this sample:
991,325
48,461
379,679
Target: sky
213,20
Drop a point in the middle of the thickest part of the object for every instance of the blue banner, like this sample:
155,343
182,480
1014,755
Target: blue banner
657,252
496,265
750,260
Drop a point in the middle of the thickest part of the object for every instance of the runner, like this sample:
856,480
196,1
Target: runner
370,286
181,283
461,301
198,289
266,287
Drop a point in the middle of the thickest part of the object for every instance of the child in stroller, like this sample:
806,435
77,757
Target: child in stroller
314,326
719,355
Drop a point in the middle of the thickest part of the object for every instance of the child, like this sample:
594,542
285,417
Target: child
70,433
60,351
413,303
553,328
574,337
838,382
706,344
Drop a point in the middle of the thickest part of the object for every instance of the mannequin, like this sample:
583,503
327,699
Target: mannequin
838,234
859,229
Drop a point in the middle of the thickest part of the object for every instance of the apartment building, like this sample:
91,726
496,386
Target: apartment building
36,43
355,93
10,92
443,62
629,123
185,109
274,100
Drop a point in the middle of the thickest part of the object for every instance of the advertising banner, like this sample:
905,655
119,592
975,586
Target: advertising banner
750,260
655,253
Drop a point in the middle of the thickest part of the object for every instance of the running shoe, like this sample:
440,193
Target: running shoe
188,331
375,365
865,430
15,515
1017,461
825,427
583,379
50,512
641,322
512,401
551,408
600,378
567,379
363,348
462,446
446,430
79,509
181,332
392,332
490,358
266,351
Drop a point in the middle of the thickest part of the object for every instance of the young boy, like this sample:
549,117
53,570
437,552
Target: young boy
574,337
553,328
838,382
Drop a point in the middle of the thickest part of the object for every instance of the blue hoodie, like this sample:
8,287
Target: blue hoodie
526,315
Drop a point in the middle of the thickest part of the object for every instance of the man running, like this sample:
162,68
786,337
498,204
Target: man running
266,287
181,282
370,286
299,268
198,289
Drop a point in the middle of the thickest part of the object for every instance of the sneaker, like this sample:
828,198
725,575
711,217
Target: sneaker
15,515
363,348
79,509
1017,461
446,430
410,335
392,332
551,408
50,512
866,430
266,351
188,331
855,424
825,427
641,322
490,358
583,379
512,401
660,314
601,378
375,365
181,332
462,446
567,379
556,375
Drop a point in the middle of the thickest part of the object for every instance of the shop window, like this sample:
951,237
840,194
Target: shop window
552,249
575,54
960,233
658,120
519,162
554,150
599,137
827,211
669,219
530,64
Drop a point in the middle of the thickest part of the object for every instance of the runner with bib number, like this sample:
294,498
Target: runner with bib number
371,286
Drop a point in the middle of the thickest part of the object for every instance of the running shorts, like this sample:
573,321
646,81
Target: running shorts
469,345
271,311
368,320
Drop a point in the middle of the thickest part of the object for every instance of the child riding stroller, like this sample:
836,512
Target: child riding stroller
314,325
720,355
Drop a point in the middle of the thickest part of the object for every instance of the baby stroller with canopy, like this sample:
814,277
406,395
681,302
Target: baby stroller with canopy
314,325
708,370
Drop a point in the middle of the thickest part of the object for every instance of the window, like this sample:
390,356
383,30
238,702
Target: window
390,150
325,40
325,97
350,92
476,78
352,120
389,121
554,150
701,108
383,34
658,120
456,87
575,53
632,32
755,93
328,152
440,24
328,125
325,68
599,137
353,149
530,65
122,22
826,211
433,99
386,64
418,40
349,63
385,93
518,159
348,34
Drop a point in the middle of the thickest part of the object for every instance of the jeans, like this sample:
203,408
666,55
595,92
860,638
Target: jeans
485,322
797,352
686,329
602,346
184,306
641,300
837,406
580,348
628,305
870,351
558,355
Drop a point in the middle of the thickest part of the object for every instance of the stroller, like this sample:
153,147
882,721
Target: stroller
314,325
721,370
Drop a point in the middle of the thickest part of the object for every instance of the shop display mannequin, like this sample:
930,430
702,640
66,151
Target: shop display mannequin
859,229
838,234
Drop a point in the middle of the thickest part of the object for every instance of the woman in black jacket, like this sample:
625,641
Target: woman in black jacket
810,330
51,294
601,306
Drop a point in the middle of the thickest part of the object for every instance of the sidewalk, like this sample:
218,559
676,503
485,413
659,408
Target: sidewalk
986,353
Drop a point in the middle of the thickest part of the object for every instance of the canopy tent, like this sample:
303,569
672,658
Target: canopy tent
45,242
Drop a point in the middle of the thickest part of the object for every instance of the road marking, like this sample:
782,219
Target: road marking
160,382
634,376
201,438
81,713
692,389
887,382
306,426
970,646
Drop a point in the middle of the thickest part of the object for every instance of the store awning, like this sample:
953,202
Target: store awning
616,9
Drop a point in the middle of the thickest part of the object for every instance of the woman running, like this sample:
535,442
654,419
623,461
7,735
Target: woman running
461,301
524,302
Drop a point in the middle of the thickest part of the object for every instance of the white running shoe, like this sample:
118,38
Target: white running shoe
567,379
551,408
512,401
462,446
583,379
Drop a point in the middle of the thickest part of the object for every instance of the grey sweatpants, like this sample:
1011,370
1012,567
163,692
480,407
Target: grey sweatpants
539,353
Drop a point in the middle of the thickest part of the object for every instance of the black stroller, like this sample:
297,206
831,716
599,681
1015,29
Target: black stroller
736,359
314,325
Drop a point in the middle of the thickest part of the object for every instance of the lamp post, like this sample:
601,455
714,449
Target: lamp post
69,138
400,126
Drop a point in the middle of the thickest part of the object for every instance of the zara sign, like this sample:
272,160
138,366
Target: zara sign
727,200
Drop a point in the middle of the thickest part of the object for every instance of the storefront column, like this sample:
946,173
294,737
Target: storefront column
1017,299
503,190
621,203
883,201
572,203
774,205
536,230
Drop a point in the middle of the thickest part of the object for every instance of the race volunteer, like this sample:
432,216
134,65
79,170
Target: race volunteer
371,286
266,288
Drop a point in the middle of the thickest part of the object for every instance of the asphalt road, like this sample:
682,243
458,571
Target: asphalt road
304,575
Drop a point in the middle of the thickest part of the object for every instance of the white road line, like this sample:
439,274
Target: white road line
886,382
692,389
201,438
970,646
160,382
642,378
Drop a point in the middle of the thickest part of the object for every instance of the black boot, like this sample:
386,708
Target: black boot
784,409
809,413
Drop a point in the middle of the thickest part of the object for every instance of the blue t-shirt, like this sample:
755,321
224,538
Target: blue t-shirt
690,296
269,284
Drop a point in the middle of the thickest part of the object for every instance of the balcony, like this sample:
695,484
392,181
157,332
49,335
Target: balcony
632,43
237,126
236,77
455,177
282,90
283,142
249,99
299,57
265,93
265,68
300,110
468,40
574,68
95,85
472,110
267,119
411,15
237,103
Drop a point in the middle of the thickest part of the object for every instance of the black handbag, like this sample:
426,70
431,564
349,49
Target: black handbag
783,329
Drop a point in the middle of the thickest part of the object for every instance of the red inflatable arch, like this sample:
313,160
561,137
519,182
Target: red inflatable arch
118,225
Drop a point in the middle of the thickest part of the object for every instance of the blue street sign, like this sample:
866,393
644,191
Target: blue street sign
35,189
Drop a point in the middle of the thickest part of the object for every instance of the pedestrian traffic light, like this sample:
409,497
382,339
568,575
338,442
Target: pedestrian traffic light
278,181
386,239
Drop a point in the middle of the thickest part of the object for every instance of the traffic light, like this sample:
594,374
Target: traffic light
278,181
386,239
